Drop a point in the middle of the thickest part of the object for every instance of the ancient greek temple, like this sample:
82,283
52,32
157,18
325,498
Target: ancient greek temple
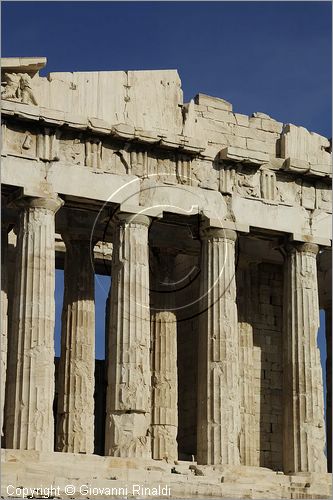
215,228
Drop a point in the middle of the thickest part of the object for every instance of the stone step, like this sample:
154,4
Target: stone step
95,477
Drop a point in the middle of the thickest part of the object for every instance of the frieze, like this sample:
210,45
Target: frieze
93,151
114,160
324,196
102,154
248,182
308,195
183,170
204,175
18,142
289,189
72,149
139,163
268,189
18,87
48,144
166,170
227,175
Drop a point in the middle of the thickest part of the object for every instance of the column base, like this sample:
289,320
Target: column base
129,435
164,439
97,477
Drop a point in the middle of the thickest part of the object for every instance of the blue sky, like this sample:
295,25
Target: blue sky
273,57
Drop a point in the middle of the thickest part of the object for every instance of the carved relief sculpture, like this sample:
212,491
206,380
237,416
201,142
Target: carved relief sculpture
17,87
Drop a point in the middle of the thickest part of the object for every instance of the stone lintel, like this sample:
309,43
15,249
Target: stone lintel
307,238
129,218
208,222
22,64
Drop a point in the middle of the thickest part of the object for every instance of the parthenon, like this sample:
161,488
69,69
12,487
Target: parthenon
216,230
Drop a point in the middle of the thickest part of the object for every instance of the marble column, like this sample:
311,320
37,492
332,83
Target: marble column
328,328
128,402
29,410
10,270
304,428
218,377
75,418
164,424
4,315
247,444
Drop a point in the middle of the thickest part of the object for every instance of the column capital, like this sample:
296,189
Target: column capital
128,218
217,232
295,246
51,203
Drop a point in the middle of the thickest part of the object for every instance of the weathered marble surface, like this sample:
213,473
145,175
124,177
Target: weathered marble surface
75,412
30,376
304,426
218,352
242,201
4,316
128,400
164,420
188,480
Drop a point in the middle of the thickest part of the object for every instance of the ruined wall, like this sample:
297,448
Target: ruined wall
260,315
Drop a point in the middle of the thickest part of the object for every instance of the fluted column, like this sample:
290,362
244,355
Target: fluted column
128,399
304,430
218,377
4,315
247,443
328,331
164,424
29,424
75,418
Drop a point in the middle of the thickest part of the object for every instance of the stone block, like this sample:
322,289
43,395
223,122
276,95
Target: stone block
269,148
242,120
219,115
238,154
213,102
271,125
255,122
